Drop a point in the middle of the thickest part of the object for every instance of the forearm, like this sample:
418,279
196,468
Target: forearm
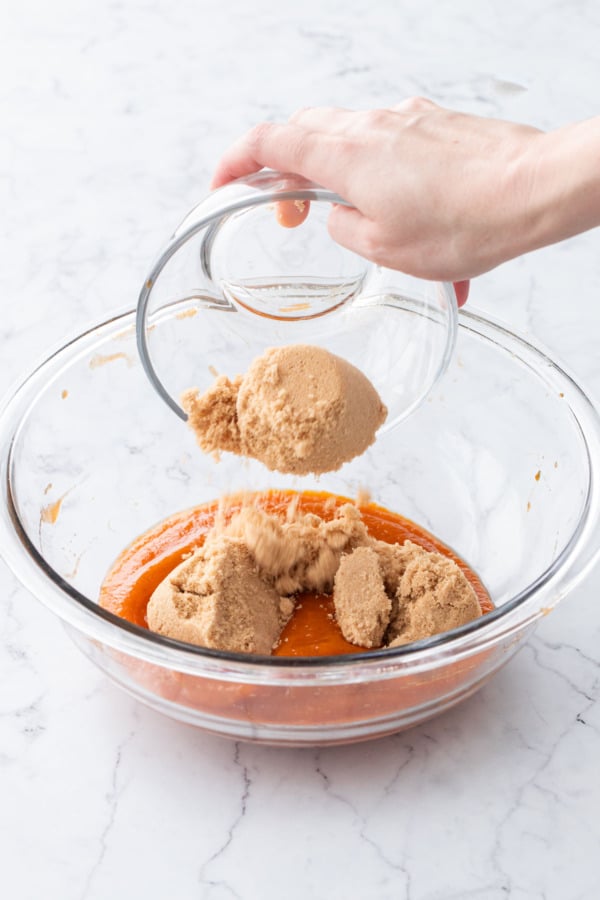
564,183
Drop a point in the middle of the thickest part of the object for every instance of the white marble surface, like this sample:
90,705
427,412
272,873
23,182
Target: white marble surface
111,118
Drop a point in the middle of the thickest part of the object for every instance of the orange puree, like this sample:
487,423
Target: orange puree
312,630
379,701
291,213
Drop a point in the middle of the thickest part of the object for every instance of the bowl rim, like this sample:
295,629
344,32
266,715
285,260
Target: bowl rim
33,571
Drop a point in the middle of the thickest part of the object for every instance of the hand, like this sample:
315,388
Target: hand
435,193
292,213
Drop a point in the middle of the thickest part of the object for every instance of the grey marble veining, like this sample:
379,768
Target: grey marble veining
111,118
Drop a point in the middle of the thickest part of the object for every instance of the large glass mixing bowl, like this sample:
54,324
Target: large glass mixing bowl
501,462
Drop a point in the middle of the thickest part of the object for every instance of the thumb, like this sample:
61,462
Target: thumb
348,227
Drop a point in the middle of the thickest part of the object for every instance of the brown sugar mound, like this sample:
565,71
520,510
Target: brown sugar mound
216,598
433,596
362,607
402,593
237,591
299,409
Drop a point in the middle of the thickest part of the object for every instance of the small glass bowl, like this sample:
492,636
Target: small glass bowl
241,282
501,463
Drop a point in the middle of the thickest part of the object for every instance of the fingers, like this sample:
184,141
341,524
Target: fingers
348,227
303,145
354,231
461,289
287,148
333,119
414,105
242,158
323,118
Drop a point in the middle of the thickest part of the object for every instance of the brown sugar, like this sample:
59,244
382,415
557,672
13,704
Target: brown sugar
302,554
401,591
216,598
299,409
234,592
311,632
362,607
393,559
212,415
433,596
238,590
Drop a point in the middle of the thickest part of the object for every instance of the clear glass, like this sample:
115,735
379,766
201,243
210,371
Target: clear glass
501,463
242,283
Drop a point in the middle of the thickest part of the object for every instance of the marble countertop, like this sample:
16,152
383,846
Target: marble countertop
111,119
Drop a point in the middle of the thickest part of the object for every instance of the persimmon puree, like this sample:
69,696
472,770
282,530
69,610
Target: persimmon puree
370,701
312,630
291,213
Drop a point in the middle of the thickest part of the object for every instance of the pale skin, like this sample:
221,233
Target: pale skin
435,193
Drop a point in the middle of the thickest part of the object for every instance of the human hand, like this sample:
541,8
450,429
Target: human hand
292,213
435,193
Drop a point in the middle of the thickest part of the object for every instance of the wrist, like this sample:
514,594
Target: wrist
560,176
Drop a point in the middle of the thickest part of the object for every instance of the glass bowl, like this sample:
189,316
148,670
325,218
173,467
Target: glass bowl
241,282
500,462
